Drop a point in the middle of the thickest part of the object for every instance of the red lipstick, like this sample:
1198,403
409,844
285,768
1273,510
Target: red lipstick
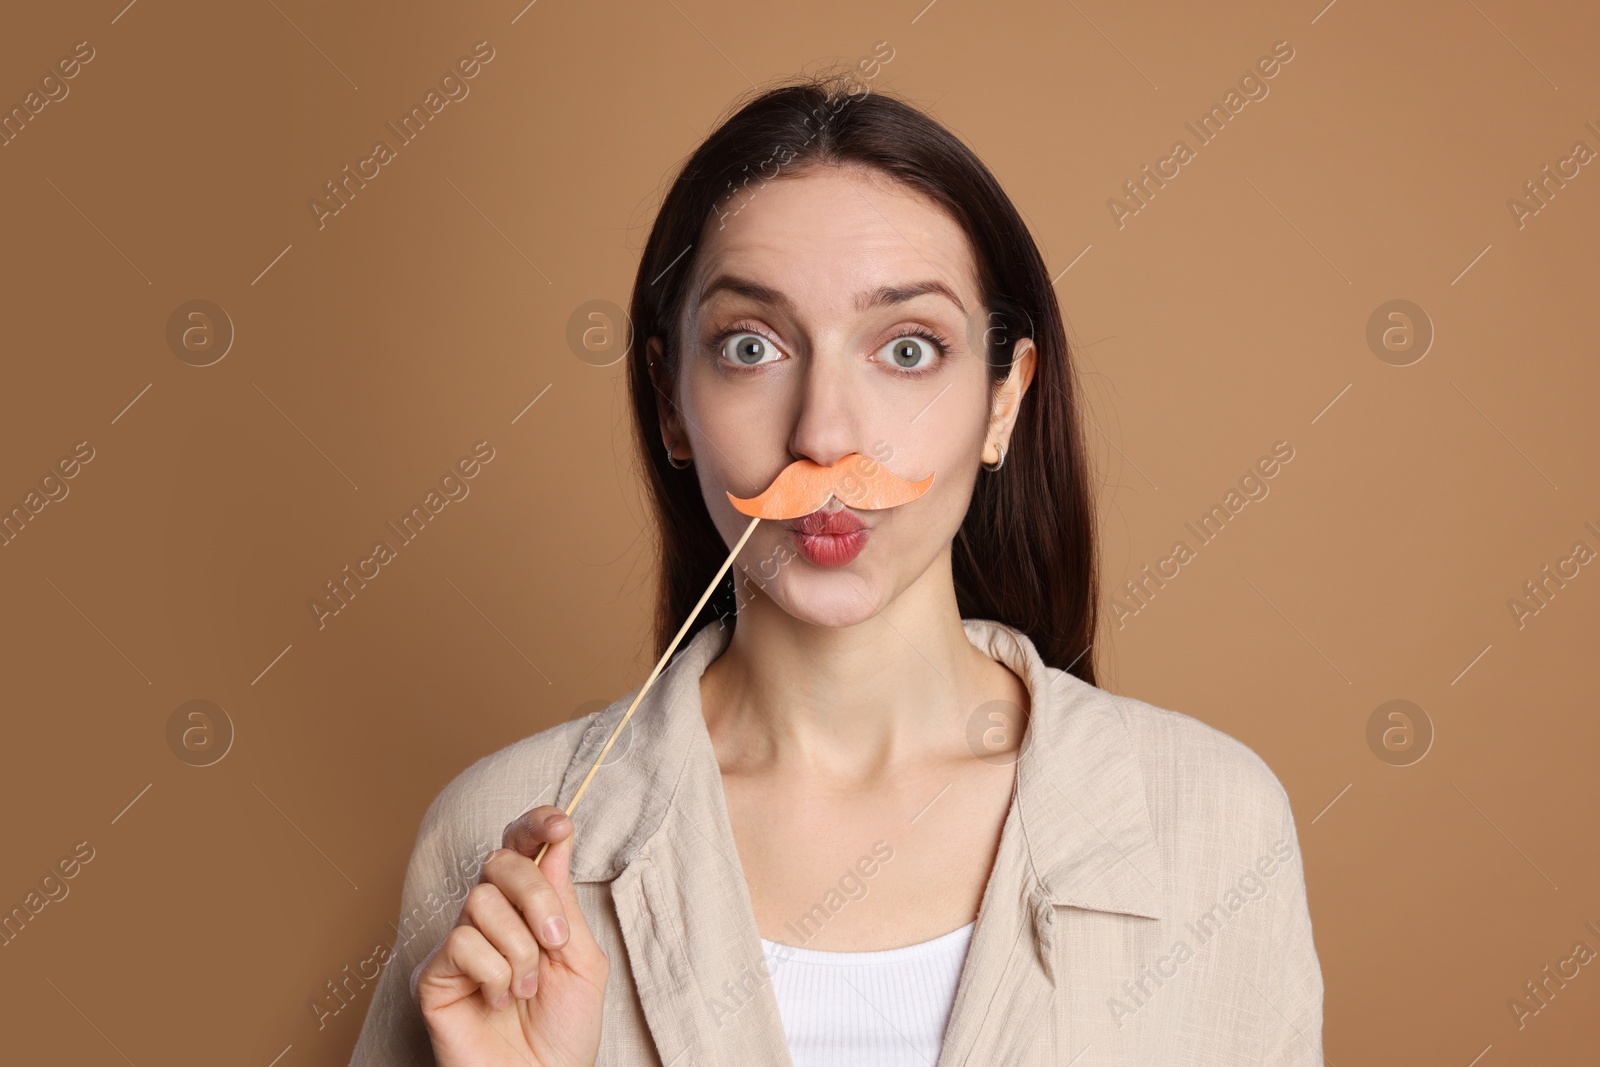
830,538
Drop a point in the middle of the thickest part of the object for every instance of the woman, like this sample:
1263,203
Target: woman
875,811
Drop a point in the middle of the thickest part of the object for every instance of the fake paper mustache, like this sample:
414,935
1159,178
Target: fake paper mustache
803,487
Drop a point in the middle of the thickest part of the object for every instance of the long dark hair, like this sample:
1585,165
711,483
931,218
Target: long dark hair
1026,553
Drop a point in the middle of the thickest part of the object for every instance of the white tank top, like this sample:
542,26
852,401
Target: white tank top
867,1009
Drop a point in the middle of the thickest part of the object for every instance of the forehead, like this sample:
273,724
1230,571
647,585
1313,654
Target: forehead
826,235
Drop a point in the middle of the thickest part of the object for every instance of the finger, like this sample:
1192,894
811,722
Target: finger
504,927
530,831
528,834
556,868
464,961
526,887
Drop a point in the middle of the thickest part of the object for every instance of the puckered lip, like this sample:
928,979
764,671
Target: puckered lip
840,521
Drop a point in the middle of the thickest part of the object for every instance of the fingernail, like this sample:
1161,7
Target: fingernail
503,1000
555,930
530,982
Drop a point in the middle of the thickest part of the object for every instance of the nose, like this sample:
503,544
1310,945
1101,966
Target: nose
828,420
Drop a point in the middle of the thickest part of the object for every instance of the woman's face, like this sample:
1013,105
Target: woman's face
834,313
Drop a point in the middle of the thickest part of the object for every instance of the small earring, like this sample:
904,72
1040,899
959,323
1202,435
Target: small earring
1001,462
683,466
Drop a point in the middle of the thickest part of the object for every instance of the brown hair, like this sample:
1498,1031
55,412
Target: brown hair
1026,553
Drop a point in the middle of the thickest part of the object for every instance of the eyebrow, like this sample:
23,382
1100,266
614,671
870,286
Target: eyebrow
883,296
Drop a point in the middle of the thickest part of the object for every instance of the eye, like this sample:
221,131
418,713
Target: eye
913,352
748,349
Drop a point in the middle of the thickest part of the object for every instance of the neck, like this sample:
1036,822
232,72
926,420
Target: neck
849,702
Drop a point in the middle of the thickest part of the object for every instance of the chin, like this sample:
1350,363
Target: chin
833,599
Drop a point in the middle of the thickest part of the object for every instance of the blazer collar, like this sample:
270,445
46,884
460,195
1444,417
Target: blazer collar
1080,793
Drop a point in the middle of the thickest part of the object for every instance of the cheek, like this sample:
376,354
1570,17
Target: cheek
734,429
714,486
949,448
952,453
914,533
947,501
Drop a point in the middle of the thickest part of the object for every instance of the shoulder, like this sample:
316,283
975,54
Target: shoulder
473,808
1173,745
1201,783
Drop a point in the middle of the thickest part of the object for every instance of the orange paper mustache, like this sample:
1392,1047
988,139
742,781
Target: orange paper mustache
803,487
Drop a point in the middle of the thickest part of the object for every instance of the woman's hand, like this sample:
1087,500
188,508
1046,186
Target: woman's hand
504,987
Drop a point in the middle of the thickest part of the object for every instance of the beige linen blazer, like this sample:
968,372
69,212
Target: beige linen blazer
1147,904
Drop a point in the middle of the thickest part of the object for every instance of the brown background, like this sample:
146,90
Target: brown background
1230,313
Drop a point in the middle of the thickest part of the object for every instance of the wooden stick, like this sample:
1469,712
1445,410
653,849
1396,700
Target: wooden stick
573,803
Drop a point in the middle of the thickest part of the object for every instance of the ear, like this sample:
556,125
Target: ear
1008,399
666,412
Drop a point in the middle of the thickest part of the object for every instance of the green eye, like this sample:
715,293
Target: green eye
748,349
911,353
